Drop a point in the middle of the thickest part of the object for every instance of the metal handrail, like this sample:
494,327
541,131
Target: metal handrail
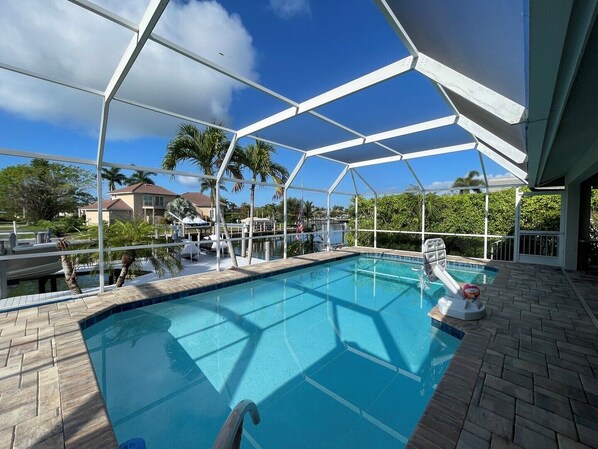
552,233
231,432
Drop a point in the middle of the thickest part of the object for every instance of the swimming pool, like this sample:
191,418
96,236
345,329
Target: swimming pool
337,355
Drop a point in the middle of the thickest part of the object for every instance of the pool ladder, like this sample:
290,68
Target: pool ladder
231,432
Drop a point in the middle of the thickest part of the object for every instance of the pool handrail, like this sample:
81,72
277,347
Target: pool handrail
231,432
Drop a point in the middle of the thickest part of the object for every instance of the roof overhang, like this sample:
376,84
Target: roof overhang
562,131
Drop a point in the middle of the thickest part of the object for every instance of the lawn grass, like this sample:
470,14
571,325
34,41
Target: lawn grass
21,227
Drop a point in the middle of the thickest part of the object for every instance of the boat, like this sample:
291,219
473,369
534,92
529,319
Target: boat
195,222
190,250
34,267
211,243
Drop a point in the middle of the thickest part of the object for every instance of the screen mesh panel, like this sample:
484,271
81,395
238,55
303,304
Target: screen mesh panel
483,40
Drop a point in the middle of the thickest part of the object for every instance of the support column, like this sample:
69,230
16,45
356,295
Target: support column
585,201
423,218
356,205
287,184
221,171
328,222
375,221
486,226
569,239
41,284
99,180
53,286
284,223
585,222
375,205
3,279
356,215
330,191
243,242
150,18
518,196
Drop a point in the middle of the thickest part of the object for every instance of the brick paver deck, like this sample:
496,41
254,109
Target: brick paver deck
586,285
525,375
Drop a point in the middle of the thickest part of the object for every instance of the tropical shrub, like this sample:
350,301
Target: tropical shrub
132,233
63,226
453,213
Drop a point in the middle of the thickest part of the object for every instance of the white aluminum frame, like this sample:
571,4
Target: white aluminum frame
444,77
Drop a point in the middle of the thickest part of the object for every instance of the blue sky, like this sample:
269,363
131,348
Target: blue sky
298,48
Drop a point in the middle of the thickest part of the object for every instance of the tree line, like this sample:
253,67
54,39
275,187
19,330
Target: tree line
456,214
42,190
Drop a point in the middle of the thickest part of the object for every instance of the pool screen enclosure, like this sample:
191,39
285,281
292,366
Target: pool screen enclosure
486,97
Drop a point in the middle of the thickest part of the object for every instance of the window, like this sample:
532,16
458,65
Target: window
147,201
159,201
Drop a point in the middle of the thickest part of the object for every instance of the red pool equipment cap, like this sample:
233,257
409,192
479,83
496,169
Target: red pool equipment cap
471,291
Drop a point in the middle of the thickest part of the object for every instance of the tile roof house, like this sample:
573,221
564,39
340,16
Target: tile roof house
112,209
137,200
202,204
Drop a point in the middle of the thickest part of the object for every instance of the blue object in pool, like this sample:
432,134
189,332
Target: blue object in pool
134,443
338,355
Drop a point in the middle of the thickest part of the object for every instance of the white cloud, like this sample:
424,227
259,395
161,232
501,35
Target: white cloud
64,41
439,185
491,177
287,9
188,181
507,175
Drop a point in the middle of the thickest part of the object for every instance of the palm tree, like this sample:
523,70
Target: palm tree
69,264
309,211
141,176
206,149
131,233
114,177
257,158
471,180
181,207
293,209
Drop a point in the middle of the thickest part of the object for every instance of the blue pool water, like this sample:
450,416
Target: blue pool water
339,355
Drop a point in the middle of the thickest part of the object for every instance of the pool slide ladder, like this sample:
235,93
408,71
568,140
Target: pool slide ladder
454,303
231,432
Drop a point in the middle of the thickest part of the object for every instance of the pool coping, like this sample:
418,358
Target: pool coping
70,382
443,419
99,316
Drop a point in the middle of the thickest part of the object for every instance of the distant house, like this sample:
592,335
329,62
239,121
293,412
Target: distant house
112,210
138,200
202,204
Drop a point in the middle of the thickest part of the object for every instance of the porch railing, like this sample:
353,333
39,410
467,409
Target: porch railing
502,249
539,243
536,244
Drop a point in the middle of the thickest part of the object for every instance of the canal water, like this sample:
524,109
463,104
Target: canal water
337,237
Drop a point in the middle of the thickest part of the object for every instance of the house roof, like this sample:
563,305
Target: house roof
109,205
198,199
143,188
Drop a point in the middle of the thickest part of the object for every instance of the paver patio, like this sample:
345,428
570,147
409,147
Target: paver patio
524,376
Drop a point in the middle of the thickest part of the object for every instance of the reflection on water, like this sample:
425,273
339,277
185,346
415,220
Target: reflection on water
341,355
337,236
31,287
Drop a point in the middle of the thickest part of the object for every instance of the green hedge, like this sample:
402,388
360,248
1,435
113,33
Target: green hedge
452,213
